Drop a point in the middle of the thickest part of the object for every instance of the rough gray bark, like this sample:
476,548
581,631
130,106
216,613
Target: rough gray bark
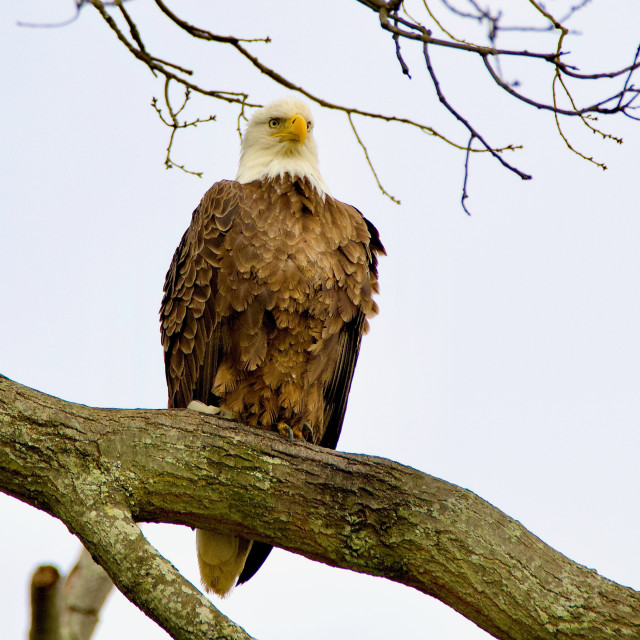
101,470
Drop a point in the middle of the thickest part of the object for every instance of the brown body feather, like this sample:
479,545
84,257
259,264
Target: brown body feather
265,303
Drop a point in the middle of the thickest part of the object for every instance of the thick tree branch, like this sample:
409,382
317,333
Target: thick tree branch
99,469
102,520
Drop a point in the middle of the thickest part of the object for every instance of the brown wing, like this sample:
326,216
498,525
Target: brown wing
194,336
337,392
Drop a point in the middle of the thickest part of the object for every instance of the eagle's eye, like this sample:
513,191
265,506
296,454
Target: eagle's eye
274,122
309,125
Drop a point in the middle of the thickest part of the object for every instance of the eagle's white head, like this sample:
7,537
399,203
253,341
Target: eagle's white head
279,140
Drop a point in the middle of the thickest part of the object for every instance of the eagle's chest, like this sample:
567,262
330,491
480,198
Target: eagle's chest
287,258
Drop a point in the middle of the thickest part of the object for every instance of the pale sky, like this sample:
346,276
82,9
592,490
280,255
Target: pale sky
506,356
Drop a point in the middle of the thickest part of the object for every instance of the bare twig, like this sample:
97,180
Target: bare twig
464,121
174,125
627,87
133,29
366,155
403,64
241,116
448,33
465,193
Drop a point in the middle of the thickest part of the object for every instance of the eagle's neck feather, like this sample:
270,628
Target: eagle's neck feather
260,163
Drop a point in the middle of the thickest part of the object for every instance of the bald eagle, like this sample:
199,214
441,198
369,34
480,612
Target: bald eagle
265,303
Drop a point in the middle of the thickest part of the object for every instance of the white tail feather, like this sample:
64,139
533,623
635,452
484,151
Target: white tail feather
221,558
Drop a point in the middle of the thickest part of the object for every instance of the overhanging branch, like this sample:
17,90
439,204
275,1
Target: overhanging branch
563,98
98,470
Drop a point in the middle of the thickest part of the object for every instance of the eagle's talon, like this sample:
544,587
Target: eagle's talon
307,432
303,432
285,430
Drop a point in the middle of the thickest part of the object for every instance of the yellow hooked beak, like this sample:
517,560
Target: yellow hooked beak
295,128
